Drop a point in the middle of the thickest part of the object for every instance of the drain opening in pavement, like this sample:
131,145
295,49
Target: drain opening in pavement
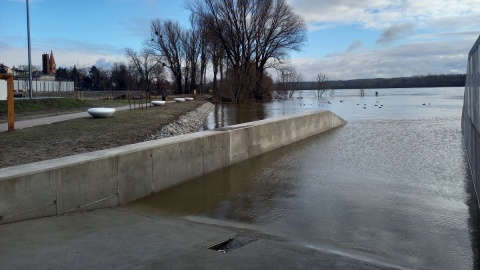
232,243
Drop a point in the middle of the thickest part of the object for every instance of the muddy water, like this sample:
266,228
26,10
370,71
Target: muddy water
391,186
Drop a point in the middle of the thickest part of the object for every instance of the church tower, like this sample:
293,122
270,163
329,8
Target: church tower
48,64
45,62
52,65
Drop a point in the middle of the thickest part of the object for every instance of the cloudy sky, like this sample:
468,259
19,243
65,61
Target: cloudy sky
347,39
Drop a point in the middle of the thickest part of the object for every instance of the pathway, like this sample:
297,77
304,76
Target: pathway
50,119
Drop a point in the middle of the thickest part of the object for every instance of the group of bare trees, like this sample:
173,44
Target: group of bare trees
322,85
238,40
288,81
145,63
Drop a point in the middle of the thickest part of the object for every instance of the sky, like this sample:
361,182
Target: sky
347,39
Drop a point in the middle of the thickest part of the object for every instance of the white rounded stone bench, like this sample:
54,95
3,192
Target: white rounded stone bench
189,98
101,112
179,100
158,102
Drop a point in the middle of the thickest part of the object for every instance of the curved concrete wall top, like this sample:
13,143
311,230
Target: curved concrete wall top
119,175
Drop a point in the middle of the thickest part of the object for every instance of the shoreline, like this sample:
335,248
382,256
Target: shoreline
189,122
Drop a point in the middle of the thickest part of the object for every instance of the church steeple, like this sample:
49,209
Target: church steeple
52,64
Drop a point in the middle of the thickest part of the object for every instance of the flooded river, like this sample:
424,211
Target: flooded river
391,186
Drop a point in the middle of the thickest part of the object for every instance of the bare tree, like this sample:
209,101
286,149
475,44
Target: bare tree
279,30
251,33
228,21
144,62
288,81
361,92
215,53
204,55
191,44
166,38
321,84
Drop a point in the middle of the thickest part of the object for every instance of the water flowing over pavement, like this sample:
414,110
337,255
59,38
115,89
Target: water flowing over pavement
389,190
393,184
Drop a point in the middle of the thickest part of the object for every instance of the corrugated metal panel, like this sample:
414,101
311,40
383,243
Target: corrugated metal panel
471,115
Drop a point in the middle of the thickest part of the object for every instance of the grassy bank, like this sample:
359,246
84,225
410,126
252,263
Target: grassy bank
87,134
27,109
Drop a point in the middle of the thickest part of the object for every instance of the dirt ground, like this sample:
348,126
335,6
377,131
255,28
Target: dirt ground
86,134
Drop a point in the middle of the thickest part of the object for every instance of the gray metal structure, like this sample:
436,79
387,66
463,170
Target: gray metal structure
29,55
471,115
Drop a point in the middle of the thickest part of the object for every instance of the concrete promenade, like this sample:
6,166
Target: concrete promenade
132,238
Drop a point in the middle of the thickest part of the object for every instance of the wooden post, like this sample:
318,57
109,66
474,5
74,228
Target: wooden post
10,106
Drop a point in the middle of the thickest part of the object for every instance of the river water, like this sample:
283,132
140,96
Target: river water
391,187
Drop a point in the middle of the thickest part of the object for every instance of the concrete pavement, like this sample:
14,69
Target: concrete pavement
130,237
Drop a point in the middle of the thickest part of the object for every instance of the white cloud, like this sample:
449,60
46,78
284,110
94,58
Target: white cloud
435,35
376,14
403,60
70,54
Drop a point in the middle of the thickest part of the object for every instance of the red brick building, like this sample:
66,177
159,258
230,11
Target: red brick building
48,63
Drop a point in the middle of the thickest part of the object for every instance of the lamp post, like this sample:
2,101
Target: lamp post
186,79
29,56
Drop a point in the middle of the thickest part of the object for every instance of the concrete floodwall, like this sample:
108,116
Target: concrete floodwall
120,175
471,115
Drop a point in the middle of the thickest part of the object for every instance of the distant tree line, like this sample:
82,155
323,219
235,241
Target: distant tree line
120,76
445,80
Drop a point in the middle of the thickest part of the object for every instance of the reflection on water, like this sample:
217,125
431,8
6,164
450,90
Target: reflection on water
248,184
474,215
390,184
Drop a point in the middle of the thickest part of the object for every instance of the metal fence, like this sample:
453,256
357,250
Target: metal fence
44,86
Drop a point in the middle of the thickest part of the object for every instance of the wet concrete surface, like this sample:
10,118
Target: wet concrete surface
388,190
125,238
393,185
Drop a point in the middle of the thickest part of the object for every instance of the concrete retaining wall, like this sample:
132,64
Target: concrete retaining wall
471,115
120,175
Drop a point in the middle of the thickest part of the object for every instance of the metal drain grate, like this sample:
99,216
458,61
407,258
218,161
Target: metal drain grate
232,243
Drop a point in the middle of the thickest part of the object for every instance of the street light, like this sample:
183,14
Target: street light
29,55
186,79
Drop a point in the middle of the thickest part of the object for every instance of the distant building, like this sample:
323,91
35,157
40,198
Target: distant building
42,81
48,64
